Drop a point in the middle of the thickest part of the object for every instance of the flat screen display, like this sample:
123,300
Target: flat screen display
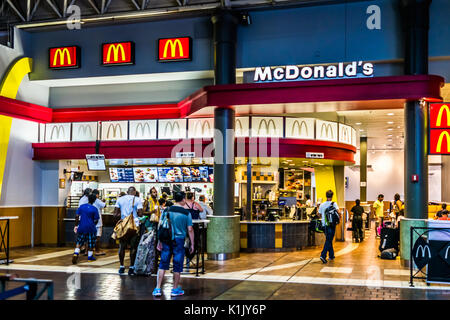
121,174
201,174
166,174
187,175
210,174
145,174
178,174
96,162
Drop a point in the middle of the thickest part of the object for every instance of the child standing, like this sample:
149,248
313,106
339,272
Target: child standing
86,221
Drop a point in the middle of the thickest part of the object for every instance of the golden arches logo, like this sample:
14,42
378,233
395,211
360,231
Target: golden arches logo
423,249
441,138
441,112
346,137
58,129
172,126
239,131
115,49
328,128
267,126
173,46
299,125
61,53
84,128
142,127
114,128
202,125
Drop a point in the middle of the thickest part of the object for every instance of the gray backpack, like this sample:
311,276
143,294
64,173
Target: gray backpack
146,254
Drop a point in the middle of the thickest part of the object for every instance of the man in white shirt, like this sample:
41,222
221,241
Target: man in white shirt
126,205
330,228
206,209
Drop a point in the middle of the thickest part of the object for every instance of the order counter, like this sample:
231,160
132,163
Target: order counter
284,235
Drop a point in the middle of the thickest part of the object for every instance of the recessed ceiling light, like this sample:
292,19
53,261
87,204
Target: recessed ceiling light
398,127
390,114
361,130
390,129
390,122
358,123
390,135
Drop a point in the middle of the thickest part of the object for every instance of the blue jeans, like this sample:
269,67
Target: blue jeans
328,246
176,248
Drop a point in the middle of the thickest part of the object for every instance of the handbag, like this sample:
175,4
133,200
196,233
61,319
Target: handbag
126,228
154,218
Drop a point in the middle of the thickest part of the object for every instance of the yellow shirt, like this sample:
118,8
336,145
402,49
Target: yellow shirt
379,208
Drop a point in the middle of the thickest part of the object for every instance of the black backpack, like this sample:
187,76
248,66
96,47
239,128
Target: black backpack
165,228
331,215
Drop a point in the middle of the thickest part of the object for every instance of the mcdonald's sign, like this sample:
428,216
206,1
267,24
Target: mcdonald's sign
267,124
439,115
175,49
142,130
117,53
299,126
114,128
64,57
328,130
439,128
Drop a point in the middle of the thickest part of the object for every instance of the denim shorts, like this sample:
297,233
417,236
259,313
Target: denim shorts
176,248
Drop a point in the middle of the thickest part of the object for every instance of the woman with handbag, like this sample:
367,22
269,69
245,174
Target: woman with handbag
129,209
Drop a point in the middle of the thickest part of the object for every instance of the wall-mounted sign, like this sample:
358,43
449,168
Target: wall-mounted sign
118,53
64,57
185,154
341,70
439,128
315,155
174,49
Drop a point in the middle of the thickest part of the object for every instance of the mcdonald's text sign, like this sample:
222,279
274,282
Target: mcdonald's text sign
174,49
64,57
117,53
439,128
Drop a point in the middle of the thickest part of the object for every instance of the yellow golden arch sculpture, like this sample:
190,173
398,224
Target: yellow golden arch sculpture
9,88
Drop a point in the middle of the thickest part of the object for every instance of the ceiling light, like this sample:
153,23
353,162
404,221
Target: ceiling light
390,129
398,127
390,135
361,130
390,122
358,123
390,114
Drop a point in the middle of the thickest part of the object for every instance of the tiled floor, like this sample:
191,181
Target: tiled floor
356,273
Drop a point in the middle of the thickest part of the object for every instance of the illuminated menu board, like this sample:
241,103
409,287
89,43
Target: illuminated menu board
121,174
187,176
145,175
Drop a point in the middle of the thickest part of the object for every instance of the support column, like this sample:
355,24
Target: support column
224,229
248,211
415,20
363,169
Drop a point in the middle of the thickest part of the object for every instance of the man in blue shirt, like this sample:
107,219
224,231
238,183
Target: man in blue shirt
330,228
86,220
181,222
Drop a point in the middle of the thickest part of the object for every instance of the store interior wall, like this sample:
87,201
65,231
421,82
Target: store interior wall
386,176
325,180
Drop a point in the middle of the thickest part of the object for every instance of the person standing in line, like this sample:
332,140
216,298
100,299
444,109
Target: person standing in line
83,200
100,205
151,203
441,212
181,222
207,211
192,206
86,219
126,205
378,205
330,228
308,202
357,221
398,205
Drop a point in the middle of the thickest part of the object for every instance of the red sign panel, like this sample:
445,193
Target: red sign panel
439,132
440,141
117,53
174,49
439,115
64,57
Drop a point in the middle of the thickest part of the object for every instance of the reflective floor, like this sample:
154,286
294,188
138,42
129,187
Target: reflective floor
356,273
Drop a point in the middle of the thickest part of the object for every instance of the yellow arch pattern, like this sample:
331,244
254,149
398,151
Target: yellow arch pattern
9,88
13,77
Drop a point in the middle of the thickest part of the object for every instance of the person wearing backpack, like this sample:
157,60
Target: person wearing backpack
175,224
329,211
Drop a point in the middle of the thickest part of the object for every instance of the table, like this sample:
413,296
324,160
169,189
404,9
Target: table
5,232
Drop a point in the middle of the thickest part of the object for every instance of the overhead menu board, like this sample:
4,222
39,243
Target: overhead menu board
121,174
145,175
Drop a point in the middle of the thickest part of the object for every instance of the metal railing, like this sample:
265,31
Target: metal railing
30,288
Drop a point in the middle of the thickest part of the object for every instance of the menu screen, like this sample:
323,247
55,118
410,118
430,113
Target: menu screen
145,175
210,174
178,174
96,162
121,174
166,174
187,176
196,174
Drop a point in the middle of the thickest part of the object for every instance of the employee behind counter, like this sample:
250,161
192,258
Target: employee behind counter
287,208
